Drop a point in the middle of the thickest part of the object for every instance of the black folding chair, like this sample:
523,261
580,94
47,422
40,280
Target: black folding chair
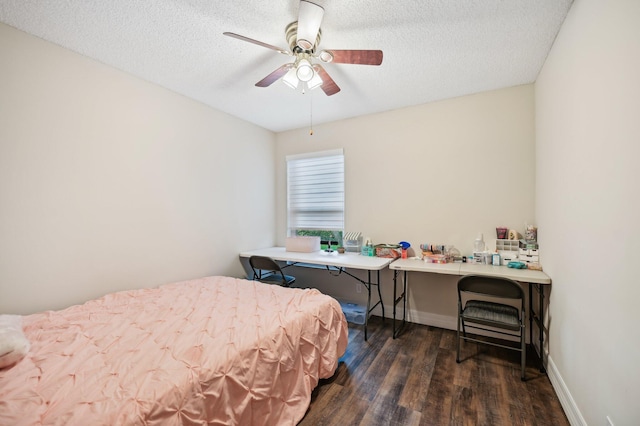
268,271
493,316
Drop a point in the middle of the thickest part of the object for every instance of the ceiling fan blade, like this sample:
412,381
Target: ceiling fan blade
329,87
259,43
361,57
309,20
274,76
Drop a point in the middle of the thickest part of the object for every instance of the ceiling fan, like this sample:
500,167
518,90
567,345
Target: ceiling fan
303,37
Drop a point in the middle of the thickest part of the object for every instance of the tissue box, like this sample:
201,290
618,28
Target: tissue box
303,244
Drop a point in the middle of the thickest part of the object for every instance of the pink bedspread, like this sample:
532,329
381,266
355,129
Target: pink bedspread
216,350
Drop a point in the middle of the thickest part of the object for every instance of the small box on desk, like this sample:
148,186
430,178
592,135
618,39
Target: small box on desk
302,244
431,257
527,258
529,252
352,242
393,251
508,256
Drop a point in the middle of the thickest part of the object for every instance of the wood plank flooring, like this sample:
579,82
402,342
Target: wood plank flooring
415,380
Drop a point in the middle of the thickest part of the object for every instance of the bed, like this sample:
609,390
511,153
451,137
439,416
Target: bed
216,350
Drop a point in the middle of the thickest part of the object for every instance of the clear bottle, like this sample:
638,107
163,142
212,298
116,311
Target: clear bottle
478,244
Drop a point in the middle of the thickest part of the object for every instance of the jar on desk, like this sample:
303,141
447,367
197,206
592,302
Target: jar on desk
368,251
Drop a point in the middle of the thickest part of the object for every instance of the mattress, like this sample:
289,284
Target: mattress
216,350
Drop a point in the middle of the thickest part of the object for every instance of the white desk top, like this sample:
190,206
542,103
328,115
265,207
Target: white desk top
419,265
345,260
524,275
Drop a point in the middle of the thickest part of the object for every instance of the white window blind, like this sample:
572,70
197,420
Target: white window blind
315,191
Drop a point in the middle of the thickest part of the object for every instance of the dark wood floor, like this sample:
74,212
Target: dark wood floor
415,380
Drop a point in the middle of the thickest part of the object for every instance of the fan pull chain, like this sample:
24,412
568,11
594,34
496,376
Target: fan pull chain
310,115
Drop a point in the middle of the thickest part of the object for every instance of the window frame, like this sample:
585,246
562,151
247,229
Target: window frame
293,179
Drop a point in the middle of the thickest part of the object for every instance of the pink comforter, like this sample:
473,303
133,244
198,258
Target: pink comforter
216,350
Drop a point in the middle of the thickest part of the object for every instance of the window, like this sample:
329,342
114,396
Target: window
315,195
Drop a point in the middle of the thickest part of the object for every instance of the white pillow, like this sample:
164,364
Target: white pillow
13,344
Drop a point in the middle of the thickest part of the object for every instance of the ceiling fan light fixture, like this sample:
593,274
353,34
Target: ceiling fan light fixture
325,56
304,71
303,37
290,78
316,81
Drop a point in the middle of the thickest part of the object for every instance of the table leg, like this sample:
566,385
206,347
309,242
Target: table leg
396,300
379,294
404,298
541,326
368,285
366,317
531,313
539,320
395,279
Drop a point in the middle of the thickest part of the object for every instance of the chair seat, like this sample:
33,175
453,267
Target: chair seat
277,279
490,313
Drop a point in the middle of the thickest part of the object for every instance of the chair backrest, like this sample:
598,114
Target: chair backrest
263,263
503,288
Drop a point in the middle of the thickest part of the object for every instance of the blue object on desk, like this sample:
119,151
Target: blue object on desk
405,245
516,265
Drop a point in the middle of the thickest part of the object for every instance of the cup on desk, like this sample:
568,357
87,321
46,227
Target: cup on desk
501,233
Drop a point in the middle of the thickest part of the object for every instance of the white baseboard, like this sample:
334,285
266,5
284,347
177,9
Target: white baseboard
566,400
435,320
418,317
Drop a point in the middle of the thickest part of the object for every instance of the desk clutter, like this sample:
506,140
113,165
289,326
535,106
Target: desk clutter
435,253
512,249
353,242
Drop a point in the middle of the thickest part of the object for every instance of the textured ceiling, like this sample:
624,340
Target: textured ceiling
432,49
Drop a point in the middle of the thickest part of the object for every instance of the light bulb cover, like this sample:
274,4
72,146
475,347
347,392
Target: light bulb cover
325,56
304,71
290,78
316,81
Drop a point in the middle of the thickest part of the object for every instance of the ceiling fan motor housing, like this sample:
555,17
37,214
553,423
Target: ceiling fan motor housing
291,34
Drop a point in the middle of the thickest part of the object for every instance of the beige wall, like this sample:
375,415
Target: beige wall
588,184
108,182
435,173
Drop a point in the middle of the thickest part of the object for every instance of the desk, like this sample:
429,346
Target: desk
334,262
535,279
